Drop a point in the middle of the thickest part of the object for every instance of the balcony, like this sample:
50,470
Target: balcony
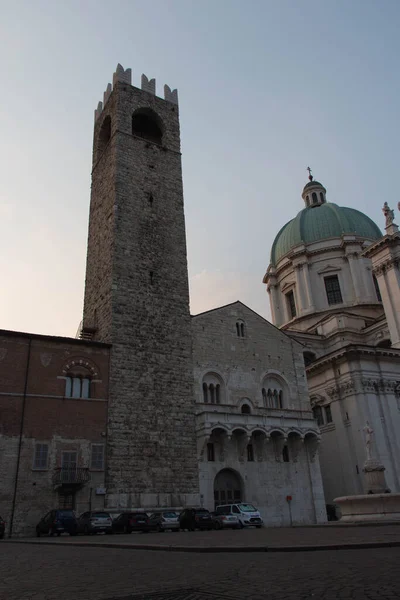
209,416
71,477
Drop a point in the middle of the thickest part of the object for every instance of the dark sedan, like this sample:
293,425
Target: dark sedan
131,521
57,522
195,518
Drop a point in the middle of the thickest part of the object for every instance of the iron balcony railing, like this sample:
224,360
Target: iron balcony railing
71,476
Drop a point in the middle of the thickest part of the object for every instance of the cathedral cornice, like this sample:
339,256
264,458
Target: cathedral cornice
351,351
364,385
386,240
387,265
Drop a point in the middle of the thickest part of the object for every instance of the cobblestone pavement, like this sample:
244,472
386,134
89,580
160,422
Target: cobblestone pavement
270,537
41,572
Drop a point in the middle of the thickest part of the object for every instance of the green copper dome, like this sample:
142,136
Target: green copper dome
315,223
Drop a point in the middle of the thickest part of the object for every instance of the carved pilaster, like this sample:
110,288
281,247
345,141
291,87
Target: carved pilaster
201,446
279,443
312,448
243,441
296,444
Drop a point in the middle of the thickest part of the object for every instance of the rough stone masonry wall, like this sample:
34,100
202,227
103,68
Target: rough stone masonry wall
151,431
244,361
242,364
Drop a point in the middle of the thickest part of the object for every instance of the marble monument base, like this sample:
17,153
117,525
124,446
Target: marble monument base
378,504
369,507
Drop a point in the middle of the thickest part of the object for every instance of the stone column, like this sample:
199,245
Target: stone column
275,303
388,280
352,259
300,295
307,288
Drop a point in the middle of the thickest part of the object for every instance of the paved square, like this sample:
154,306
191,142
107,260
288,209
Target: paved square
57,572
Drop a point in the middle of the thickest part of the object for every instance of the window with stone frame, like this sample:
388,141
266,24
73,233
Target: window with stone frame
212,389
240,329
77,387
40,460
291,303
97,457
317,412
274,391
332,288
328,414
322,414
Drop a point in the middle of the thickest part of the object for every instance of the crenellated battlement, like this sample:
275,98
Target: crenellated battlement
147,85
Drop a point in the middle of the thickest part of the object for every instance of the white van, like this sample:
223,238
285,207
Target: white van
247,514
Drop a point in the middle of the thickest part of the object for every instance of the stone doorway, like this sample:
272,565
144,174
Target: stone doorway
227,487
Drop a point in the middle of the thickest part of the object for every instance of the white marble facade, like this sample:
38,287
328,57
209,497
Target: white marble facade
351,348
257,438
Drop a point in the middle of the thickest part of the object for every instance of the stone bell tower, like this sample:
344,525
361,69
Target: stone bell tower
137,299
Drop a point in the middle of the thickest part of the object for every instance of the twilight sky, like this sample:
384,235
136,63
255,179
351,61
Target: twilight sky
266,88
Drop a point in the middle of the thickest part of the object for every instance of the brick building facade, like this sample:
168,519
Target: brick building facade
53,424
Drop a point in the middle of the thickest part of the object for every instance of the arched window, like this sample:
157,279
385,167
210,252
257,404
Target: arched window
240,329
212,389
274,391
245,409
314,198
80,375
147,125
210,452
308,200
205,394
217,393
104,135
321,196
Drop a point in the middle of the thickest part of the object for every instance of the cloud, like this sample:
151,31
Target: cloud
210,289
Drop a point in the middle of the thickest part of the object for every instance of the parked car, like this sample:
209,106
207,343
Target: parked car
224,520
2,528
57,522
96,521
195,518
131,521
247,514
166,519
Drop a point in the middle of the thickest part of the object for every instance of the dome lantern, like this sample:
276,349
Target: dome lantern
314,193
